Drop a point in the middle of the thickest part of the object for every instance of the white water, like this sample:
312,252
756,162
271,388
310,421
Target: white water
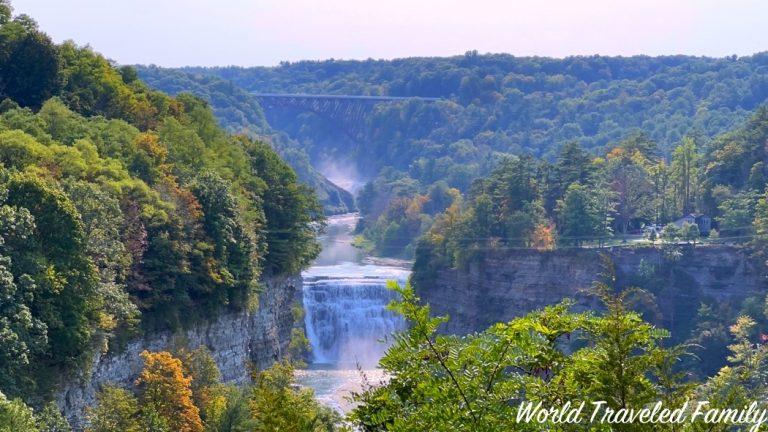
346,320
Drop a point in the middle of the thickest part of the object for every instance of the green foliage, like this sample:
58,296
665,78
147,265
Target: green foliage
15,416
298,347
737,214
239,112
293,215
273,402
579,215
690,232
276,405
625,190
565,110
476,382
115,409
29,62
521,103
23,335
123,209
61,279
49,419
685,167
670,233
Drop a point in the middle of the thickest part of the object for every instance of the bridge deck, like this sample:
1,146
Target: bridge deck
343,97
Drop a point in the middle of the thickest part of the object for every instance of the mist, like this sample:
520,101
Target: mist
342,174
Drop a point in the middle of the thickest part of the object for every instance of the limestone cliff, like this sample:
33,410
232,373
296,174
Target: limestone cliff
235,340
510,283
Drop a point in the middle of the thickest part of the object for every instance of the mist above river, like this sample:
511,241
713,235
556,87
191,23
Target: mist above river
344,175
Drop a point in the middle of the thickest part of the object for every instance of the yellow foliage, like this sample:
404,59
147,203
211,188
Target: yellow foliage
543,237
616,152
415,205
167,391
150,143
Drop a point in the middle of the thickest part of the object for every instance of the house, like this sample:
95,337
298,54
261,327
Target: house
704,222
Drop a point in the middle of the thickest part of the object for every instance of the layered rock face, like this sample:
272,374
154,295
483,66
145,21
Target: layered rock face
511,283
234,339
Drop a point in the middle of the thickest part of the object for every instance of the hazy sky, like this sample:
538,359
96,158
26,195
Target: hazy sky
264,32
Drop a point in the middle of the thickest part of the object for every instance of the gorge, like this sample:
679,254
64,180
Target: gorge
347,323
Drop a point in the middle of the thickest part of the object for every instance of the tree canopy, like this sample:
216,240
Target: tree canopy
123,209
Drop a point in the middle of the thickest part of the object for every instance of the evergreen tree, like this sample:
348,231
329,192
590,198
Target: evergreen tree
578,215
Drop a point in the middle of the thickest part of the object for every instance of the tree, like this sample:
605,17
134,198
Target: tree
543,237
165,390
236,414
200,365
50,419
234,243
738,383
515,201
572,166
5,11
578,215
293,215
690,232
443,382
738,213
53,271
629,181
29,61
15,416
22,335
670,233
115,409
663,202
685,172
277,405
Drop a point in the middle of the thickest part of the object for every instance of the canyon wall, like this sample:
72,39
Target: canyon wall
511,283
234,339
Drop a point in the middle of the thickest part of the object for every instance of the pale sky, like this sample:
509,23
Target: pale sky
264,32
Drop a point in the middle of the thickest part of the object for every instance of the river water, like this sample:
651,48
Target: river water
346,320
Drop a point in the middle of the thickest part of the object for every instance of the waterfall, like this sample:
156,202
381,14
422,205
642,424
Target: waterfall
346,319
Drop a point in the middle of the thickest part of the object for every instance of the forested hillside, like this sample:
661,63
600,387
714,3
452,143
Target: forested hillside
582,199
238,112
494,105
531,104
123,209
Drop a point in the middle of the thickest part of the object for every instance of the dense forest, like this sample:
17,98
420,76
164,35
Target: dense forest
492,106
124,210
238,112
581,199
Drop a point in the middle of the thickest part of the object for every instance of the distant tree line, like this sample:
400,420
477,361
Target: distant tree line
497,105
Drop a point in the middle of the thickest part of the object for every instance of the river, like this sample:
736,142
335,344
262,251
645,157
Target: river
346,320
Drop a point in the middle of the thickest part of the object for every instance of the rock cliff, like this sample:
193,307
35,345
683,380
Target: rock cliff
235,340
502,286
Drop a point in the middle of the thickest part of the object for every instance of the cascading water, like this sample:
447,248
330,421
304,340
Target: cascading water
346,319
345,315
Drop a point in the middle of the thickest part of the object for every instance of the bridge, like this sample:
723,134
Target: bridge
348,111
